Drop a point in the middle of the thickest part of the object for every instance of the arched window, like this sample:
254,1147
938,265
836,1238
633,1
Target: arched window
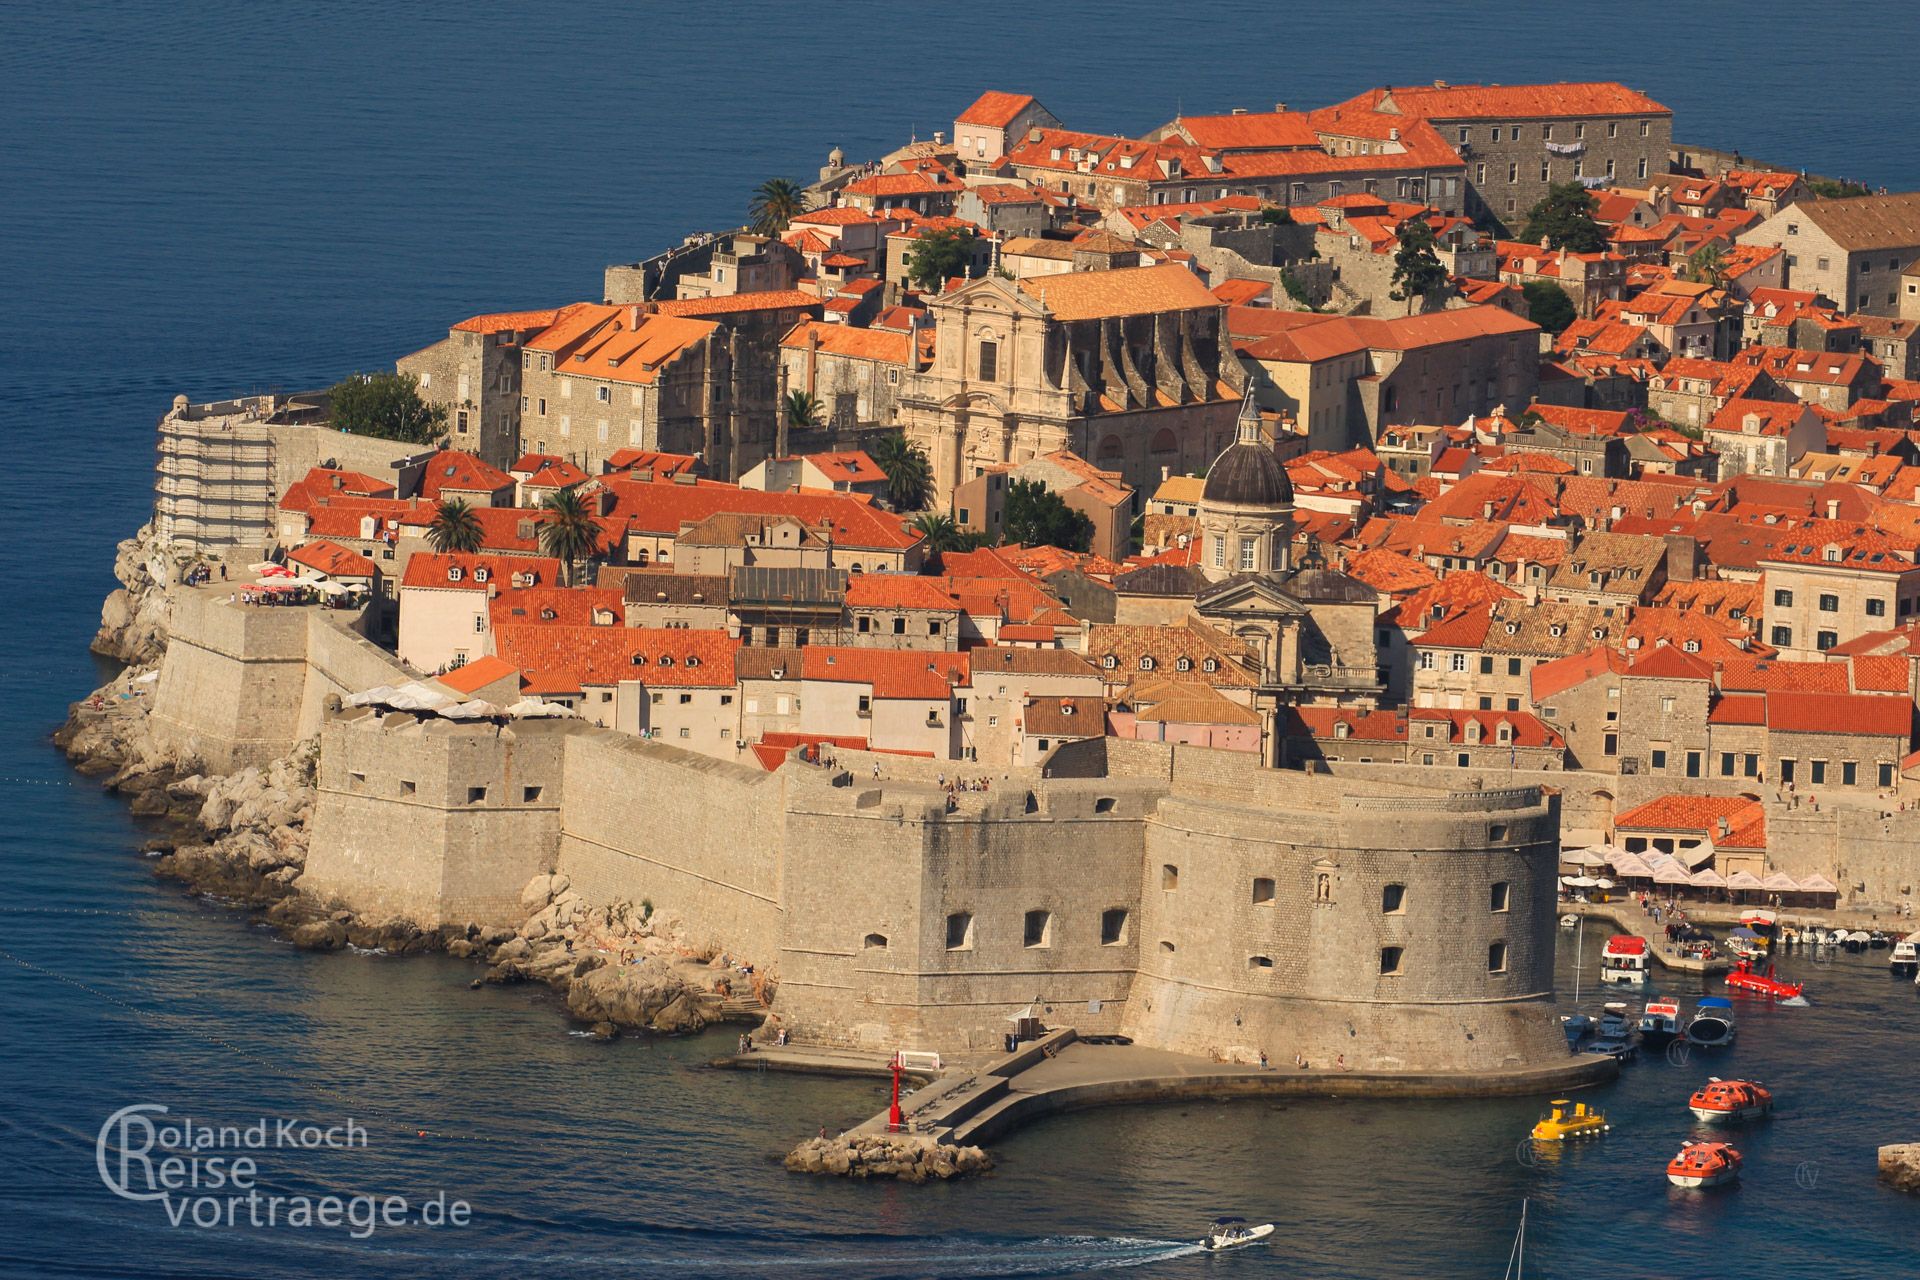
1112,449
1164,442
875,941
1038,931
960,931
1259,962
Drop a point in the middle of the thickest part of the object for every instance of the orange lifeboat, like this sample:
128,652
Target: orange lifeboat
1730,1100
1704,1164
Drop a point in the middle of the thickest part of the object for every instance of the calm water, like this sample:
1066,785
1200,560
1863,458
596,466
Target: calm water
218,198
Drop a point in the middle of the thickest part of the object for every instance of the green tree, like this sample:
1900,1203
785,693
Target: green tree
454,527
1417,272
909,474
937,256
942,534
776,202
387,405
1564,218
803,409
1548,305
1037,516
1707,265
1835,188
568,533
1274,215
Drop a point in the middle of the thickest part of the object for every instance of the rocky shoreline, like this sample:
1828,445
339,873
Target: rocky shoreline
904,1157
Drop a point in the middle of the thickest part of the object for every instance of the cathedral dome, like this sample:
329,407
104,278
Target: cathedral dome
1248,475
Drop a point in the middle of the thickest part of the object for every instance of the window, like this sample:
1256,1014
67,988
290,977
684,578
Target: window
1876,608
1458,662
1750,767
1829,603
1169,877
1726,764
1786,769
1496,957
1693,764
875,941
899,626
1166,948
989,361
1426,661
1781,637
1817,772
1393,899
1219,553
1513,667
1825,640
1849,773
1262,889
1113,927
1259,962
476,795
1390,960
960,931
1486,665
1613,128
1246,554
407,787
866,705
1513,175
1501,898
1659,758
1883,774
1038,931
1783,598
1666,705
603,394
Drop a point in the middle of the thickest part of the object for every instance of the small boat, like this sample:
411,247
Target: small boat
1703,1164
1577,1026
1879,940
1744,977
1730,1100
1762,924
1569,921
1625,960
1660,1024
1567,1120
1614,1037
1854,941
1711,1026
1234,1233
1906,955
1744,944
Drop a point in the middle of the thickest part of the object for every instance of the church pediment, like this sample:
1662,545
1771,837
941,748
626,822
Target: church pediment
991,293
1250,593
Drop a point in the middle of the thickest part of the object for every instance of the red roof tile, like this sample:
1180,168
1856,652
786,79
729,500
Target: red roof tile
904,673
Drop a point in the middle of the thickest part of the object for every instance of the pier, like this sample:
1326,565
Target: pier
1628,918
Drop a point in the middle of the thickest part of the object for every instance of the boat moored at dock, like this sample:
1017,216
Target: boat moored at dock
1660,1023
1906,955
1625,960
1744,977
1711,1026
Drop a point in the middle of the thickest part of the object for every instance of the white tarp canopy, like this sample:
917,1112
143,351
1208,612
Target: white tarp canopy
1578,882
1780,882
1745,880
534,709
1671,873
1708,878
1817,883
1583,858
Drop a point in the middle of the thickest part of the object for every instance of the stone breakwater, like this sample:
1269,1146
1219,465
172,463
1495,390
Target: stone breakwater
906,1157
243,837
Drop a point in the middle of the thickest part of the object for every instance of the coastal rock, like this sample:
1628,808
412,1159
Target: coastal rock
133,618
644,996
903,1156
512,949
319,935
1900,1166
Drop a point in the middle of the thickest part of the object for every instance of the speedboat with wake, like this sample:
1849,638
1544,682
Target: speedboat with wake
1234,1233
1744,977
1730,1100
1711,1026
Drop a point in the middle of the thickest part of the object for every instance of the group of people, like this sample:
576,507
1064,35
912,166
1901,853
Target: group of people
203,573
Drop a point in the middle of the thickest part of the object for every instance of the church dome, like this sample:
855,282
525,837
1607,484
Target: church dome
1248,475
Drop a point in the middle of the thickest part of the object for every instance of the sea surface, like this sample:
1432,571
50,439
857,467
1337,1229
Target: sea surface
216,197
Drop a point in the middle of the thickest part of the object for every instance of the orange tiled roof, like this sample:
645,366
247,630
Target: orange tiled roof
450,470
1126,291
477,674
589,655
429,570
333,560
883,345
1689,813
902,673
730,303
508,321
995,109
1509,102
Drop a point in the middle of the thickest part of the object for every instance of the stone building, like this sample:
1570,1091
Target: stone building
1517,140
474,374
986,129
1822,591
1129,369
1852,250
854,374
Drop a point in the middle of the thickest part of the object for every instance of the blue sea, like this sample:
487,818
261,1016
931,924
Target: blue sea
216,197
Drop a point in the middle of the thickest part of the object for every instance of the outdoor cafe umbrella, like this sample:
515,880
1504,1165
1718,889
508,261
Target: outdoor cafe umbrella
1817,883
1707,878
1633,864
1745,880
1671,873
1583,858
1603,883
1780,882
1578,882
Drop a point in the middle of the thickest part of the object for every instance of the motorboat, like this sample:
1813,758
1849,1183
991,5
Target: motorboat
1625,960
1744,944
1614,1037
1711,1026
1704,1164
1763,924
1855,941
1569,921
1566,1120
1744,977
1660,1024
1730,1100
1879,940
1234,1233
1906,955
1578,1027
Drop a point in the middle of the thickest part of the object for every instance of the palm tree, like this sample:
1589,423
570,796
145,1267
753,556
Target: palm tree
776,202
1707,265
569,533
940,532
909,474
455,528
803,409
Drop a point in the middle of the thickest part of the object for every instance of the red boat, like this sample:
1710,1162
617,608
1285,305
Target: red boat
1703,1164
1730,1100
1744,977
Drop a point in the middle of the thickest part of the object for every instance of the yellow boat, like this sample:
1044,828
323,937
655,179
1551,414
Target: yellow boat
1570,1120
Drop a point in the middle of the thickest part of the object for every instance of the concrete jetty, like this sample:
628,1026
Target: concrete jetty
1628,918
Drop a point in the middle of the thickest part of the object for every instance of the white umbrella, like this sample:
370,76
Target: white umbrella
1633,865
1584,858
1708,878
1581,882
1817,883
1745,880
1671,873
1780,882
1603,883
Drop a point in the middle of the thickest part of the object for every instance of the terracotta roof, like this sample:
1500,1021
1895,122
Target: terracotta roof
592,655
1866,222
1130,644
508,321
900,591
1689,813
661,510
885,345
1669,663
1125,291
1251,131
556,606
1870,715
1064,717
1178,701
1509,102
1880,673
477,674
1550,678
321,483
994,109
428,570
892,673
460,472
1528,730
732,303
334,560
1774,676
